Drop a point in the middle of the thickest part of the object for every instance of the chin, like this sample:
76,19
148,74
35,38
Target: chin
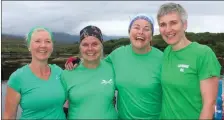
92,59
139,46
42,58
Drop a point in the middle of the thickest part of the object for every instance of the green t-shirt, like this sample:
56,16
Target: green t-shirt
138,82
90,92
40,99
182,72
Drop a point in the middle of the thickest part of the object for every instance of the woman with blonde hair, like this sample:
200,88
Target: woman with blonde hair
90,87
36,87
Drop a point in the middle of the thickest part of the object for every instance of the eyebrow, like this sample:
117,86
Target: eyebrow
139,25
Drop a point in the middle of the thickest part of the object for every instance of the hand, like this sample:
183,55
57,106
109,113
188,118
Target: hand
72,63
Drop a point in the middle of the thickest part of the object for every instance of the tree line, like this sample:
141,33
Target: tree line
213,40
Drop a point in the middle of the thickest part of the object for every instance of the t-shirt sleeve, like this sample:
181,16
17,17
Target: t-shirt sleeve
14,81
209,65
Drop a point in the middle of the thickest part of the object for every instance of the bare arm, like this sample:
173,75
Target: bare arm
209,90
66,105
11,103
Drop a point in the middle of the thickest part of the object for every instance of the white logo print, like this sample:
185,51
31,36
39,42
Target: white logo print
57,77
106,82
182,67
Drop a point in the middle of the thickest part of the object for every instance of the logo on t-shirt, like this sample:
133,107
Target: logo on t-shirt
182,67
104,82
57,77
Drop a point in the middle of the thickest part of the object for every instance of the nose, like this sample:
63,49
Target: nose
168,28
89,47
42,44
140,31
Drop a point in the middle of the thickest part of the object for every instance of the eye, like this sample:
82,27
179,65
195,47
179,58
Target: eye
37,41
173,22
84,44
48,41
147,29
95,44
162,24
136,27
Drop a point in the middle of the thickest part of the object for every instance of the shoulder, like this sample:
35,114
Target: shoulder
201,49
72,72
56,68
121,49
105,64
158,52
19,72
167,49
17,76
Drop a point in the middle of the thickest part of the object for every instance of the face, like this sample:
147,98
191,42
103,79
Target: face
91,49
140,34
172,28
41,45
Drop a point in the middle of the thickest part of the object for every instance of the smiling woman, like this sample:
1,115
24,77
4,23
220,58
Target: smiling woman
36,80
190,71
90,88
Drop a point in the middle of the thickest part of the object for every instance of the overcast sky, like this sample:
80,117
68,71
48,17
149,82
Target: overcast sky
112,17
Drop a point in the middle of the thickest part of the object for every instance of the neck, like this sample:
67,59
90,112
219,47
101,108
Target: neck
181,44
91,65
142,50
39,67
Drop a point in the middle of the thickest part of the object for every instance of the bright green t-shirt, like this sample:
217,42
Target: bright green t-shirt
138,82
40,99
90,92
182,72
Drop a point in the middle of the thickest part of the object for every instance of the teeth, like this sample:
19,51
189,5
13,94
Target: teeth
141,38
90,54
42,51
170,35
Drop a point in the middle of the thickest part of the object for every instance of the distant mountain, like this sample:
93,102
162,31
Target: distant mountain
60,37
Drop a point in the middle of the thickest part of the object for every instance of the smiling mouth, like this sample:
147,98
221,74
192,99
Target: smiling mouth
140,38
90,54
170,36
42,51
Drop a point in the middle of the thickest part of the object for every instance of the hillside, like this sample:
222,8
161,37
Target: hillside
60,38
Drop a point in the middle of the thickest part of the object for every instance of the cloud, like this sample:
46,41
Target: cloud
111,16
